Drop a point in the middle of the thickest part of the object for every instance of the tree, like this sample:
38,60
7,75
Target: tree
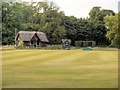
97,17
46,17
15,15
51,23
113,34
41,16
97,14
70,23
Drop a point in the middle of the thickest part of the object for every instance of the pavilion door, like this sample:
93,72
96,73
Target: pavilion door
38,43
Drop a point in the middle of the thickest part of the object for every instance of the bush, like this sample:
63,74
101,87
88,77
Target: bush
20,45
51,47
56,47
105,49
7,47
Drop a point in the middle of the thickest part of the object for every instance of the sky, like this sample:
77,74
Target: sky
81,8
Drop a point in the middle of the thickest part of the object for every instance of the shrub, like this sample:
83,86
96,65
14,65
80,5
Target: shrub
51,47
20,45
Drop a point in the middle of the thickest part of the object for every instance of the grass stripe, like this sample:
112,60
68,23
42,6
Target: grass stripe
32,57
23,54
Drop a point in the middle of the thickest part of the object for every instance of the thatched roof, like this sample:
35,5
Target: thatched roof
28,35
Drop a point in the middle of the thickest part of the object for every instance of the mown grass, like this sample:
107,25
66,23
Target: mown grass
60,69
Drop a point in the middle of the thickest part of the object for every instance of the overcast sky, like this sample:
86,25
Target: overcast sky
81,8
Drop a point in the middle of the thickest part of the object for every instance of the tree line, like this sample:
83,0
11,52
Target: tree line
47,17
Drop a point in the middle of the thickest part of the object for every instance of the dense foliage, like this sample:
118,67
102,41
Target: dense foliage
46,17
113,34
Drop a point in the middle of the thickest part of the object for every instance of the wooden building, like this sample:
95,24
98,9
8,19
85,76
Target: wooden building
85,43
31,38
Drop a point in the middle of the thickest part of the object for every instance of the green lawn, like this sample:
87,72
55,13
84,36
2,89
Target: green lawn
60,69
